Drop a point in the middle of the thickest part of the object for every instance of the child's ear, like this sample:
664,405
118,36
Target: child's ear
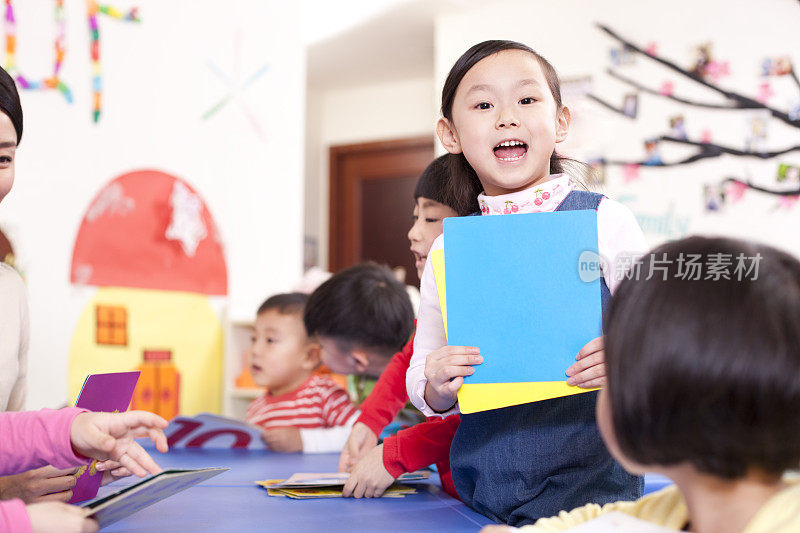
362,360
448,136
312,356
562,124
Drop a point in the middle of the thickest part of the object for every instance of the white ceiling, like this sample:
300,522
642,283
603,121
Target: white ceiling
390,43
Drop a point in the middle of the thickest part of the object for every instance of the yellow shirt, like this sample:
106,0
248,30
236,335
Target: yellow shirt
666,508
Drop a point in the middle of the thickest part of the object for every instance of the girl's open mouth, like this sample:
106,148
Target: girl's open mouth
511,150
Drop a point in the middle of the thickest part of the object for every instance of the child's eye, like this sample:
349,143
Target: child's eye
484,105
414,218
252,340
271,340
431,220
5,159
526,101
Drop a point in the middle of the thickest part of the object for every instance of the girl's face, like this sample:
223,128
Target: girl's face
506,122
8,148
428,218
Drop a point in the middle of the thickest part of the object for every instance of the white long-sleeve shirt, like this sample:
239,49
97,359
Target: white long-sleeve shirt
618,235
13,339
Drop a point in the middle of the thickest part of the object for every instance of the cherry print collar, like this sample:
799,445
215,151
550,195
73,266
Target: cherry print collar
541,198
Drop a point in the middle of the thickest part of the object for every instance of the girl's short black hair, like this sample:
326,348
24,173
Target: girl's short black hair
707,372
9,102
433,182
363,305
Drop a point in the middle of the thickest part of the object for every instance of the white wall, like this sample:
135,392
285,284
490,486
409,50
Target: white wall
404,108
158,83
668,201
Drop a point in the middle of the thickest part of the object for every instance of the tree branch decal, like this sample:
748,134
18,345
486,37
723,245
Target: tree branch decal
735,100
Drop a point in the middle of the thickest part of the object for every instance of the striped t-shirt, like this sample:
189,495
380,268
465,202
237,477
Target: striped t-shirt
317,403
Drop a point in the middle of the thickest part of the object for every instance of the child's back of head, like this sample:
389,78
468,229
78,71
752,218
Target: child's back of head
703,359
361,316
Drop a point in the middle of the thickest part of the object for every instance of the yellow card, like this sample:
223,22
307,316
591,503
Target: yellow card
437,260
477,397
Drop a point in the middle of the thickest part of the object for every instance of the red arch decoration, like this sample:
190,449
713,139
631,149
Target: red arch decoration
122,241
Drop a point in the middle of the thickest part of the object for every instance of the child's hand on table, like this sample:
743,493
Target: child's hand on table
283,439
360,441
445,369
59,517
590,370
110,436
369,477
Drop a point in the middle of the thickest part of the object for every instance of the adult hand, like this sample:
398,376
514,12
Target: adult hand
58,517
105,436
40,485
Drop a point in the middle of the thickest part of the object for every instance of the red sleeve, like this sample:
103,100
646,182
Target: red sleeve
419,446
389,394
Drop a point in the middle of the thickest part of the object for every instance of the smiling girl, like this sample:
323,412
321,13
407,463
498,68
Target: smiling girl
503,117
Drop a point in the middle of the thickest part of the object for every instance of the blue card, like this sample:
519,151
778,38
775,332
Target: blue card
514,290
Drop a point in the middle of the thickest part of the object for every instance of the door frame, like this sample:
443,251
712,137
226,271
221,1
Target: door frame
343,194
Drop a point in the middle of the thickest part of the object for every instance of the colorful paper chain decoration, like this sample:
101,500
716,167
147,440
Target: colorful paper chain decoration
97,74
54,82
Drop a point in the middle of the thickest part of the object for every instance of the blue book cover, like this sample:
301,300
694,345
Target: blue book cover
515,290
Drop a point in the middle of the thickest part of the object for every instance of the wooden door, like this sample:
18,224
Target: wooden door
371,202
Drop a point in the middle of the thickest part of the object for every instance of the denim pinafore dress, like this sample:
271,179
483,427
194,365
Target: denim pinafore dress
521,463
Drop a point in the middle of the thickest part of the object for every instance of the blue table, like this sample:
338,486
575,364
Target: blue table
232,502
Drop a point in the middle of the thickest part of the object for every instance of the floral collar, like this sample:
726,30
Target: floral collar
541,198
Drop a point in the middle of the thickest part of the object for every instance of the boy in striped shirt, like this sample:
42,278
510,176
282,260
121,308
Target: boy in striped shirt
300,411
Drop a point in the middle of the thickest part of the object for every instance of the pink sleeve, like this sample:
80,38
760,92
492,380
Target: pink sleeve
14,517
37,438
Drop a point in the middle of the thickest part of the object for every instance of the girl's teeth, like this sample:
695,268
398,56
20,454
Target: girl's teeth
510,158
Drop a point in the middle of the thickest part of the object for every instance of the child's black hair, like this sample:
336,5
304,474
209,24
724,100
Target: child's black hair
290,303
363,305
464,186
707,372
9,102
433,183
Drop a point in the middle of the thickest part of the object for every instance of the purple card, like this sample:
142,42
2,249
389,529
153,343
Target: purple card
109,393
